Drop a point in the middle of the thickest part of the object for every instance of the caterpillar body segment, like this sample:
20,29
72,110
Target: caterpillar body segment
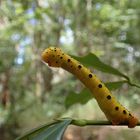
112,109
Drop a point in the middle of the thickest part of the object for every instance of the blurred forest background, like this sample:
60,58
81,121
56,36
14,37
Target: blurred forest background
32,94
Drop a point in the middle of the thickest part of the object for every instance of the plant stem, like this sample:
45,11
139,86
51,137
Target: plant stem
94,122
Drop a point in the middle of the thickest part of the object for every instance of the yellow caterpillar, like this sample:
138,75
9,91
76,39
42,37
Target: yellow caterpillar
113,110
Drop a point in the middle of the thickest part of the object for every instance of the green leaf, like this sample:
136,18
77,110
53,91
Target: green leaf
83,97
115,85
51,131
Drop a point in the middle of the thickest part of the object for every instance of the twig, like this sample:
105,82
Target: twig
94,122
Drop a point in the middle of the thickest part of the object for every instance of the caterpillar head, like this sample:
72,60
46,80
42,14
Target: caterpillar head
52,56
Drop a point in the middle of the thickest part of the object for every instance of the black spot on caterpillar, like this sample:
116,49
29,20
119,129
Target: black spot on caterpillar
116,108
90,75
100,86
79,66
113,110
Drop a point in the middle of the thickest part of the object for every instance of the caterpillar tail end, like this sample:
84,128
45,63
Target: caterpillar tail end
132,122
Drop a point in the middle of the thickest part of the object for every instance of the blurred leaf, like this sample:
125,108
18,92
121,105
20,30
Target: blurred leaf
83,97
51,131
115,85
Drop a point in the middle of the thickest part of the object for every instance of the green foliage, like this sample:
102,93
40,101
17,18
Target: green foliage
115,85
73,98
51,131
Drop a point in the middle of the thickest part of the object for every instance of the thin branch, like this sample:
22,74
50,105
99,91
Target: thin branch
94,122
135,85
